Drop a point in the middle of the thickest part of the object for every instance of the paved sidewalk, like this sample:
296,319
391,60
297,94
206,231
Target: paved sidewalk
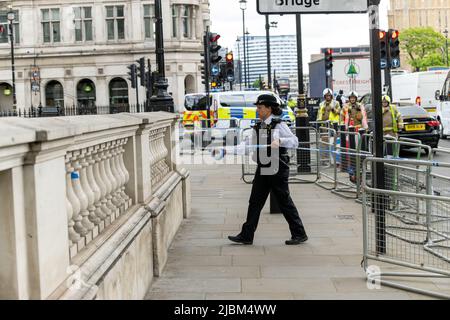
203,264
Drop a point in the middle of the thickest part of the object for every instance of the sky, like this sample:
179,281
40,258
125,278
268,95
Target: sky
319,31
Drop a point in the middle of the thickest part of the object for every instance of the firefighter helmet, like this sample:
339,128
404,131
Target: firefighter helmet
327,91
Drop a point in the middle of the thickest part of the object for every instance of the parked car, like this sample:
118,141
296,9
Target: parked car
420,125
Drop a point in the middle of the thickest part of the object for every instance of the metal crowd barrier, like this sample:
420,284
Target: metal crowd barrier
304,162
419,240
196,137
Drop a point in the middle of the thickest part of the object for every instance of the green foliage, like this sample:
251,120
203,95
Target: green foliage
424,46
257,84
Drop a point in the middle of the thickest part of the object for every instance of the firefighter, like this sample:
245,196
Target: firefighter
354,114
392,119
273,138
292,103
329,109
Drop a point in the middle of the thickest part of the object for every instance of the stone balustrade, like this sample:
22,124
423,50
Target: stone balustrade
84,200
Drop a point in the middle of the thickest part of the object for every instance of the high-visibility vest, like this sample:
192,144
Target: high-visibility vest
332,117
394,121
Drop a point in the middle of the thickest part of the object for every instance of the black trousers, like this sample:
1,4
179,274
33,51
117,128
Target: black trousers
279,185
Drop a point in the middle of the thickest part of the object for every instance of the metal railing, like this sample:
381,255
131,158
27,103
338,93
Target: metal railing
419,240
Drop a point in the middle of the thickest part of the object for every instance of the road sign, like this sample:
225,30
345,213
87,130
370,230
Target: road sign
383,64
395,63
215,70
311,6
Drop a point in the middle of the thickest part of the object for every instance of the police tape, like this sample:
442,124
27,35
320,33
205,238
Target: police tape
221,150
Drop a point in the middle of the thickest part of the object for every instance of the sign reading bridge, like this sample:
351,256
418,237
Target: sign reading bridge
311,6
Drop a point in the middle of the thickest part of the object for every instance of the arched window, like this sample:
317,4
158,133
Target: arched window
118,92
6,96
54,94
189,84
86,93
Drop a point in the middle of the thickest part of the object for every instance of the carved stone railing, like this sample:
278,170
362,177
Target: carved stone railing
158,163
96,177
74,190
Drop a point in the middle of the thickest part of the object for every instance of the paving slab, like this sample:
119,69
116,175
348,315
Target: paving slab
203,264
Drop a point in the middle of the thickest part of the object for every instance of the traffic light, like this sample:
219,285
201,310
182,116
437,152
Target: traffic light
384,49
132,75
214,58
394,48
205,61
329,59
229,67
141,70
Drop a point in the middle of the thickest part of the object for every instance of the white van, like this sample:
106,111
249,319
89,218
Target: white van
443,96
419,88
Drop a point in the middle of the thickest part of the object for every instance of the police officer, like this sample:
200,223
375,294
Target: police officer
340,98
392,119
272,173
354,114
329,109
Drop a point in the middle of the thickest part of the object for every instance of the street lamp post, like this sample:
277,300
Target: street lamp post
238,41
162,101
247,65
272,24
11,17
243,4
446,46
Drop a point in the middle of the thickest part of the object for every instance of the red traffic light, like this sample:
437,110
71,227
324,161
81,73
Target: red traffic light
229,57
382,35
215,37
330,51
395,34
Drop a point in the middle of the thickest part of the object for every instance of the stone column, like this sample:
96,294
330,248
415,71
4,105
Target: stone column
13,236
46,218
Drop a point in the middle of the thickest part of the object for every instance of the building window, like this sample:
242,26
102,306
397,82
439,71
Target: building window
4,27
118,93
51,25
83,23
54,94
174,21
115,22
149,23
183,21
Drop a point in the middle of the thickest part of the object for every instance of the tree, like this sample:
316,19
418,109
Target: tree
257,84
424,47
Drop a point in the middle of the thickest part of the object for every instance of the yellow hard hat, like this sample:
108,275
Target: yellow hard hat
387,98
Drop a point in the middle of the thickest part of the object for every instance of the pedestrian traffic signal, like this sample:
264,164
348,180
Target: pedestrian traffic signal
229,67
384,50
329,59
132,75
394,48
214,57
141,70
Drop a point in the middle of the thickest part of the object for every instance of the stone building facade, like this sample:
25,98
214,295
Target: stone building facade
77,51
404,14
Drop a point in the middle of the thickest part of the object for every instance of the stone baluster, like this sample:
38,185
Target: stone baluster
106,180
118,155
123,168
100,216
84,202
110,175
117,174
86,185
73,206
102,185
